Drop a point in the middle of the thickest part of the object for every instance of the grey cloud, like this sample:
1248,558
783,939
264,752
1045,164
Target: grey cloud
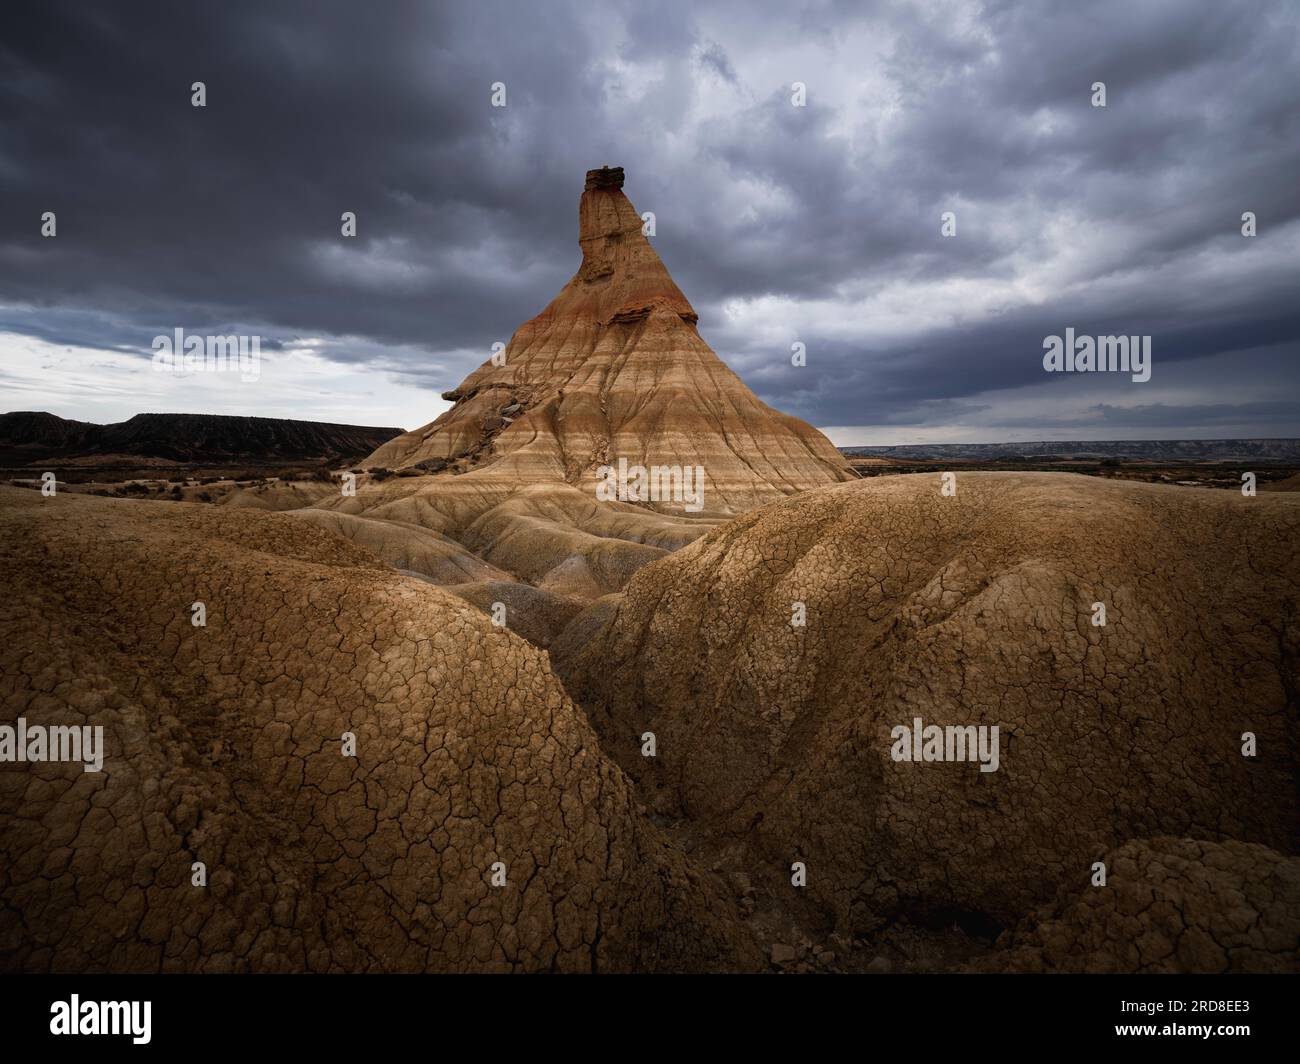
169,215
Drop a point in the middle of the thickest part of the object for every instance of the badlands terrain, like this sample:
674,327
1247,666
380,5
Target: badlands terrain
466,710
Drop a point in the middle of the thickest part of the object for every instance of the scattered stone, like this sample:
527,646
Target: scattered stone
782,954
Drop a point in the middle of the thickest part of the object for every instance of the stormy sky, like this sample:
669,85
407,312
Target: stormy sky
818,224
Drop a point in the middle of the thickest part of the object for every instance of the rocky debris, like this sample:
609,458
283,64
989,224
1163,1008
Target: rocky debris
782,955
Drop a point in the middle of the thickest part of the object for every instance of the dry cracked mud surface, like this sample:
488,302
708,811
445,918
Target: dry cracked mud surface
223,745
774,740
1121,744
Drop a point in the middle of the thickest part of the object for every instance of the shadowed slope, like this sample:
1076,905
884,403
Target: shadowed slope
775,740
224,746
1174,905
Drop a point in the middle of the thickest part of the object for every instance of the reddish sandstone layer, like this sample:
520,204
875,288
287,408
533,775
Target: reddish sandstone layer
615,368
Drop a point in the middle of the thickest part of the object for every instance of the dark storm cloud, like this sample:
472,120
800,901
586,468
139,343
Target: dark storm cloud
818,224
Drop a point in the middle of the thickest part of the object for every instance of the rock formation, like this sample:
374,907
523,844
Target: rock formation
612,370
614,367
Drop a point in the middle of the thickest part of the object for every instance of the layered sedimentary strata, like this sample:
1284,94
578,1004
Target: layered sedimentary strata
614,367
224,746
775,740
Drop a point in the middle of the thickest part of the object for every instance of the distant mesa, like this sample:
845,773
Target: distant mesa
37,436
1226,450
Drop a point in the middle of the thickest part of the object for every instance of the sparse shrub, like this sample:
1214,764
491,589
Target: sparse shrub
319,473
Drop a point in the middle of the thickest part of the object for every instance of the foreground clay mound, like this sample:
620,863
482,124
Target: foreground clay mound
613,369
1169,905
775,740
223,746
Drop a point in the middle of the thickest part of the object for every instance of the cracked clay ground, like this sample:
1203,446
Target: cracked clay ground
476,747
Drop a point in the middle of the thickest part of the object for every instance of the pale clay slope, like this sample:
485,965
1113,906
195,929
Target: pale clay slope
223,745
774,740
553,537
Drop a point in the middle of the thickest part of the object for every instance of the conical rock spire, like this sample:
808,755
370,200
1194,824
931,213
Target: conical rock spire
614,368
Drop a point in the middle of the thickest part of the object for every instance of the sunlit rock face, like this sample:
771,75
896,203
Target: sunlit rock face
615,368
